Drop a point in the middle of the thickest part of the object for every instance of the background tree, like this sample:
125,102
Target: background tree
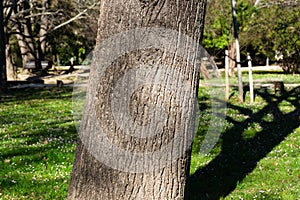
276,30
31,25
265,27
218,32
218,26
3,79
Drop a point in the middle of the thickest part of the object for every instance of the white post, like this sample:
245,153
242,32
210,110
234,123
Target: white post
250,78
58,60
267,62
226,75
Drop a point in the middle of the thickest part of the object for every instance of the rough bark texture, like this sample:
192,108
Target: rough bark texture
27,31
10,69
232,55
25,52
91,179
43,31
3,78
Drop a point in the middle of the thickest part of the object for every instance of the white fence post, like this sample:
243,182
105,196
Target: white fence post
250,78
226,76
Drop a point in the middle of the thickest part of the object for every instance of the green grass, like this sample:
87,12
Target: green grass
267,76
37,143
254,158
276,176
257,156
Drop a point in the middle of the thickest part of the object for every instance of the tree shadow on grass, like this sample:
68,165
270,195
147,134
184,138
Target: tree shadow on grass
239,155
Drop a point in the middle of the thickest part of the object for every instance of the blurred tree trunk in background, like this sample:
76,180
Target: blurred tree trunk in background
10,68
232,55
3,78
43,30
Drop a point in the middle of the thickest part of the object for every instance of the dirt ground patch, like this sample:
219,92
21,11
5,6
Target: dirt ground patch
52,78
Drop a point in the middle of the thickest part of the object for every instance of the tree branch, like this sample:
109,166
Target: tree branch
12,6
76,17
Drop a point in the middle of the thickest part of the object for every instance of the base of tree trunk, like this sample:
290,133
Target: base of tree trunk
93,180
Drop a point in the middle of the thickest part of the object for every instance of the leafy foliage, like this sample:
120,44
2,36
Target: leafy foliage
277,30
269,29
218,33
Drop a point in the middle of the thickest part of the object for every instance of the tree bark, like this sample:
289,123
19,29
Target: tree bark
27,36
24,33
232,55
25,45
237,51
95,179
11,70
43,31
3,78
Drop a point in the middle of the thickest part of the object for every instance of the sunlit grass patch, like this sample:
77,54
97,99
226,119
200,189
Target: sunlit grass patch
37,143
277,176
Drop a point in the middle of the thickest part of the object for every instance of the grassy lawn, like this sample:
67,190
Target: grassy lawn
267,76
257,156
37,143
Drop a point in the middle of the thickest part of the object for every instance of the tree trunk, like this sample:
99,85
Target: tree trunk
43,31
232,55
27,37
137,127
24,47
11,70
237,52
3,78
